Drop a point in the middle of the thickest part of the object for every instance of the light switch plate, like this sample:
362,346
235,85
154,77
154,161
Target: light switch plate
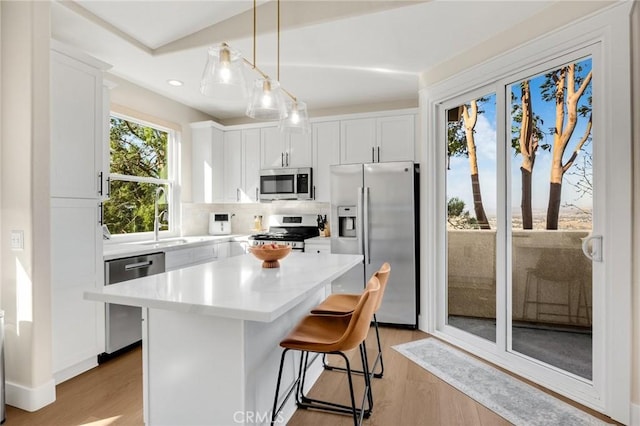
17,240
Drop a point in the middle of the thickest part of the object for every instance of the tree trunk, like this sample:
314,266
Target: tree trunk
553,209
525,205
477,203
528,147
470,120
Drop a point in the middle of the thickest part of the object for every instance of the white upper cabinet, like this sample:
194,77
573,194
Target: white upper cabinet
395,138
241,166
357,141
281,150
76,129
251,166
326,152
376,140
232,165
207,171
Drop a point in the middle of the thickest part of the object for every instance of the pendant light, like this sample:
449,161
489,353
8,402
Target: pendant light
297,119
266,101
223,75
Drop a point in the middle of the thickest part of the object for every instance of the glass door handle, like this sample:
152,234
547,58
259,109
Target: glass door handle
594,252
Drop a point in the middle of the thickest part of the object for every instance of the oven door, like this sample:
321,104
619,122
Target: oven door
278,184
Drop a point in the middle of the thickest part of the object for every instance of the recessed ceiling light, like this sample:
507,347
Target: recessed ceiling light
175,83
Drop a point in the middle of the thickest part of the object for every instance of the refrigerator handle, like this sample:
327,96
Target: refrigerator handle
359,217
365,226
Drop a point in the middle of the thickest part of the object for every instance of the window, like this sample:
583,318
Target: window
141,172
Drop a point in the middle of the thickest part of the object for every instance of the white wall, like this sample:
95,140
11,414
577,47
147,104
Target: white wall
130,99
26,289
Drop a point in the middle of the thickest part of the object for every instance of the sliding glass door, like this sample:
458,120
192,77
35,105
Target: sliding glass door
517,162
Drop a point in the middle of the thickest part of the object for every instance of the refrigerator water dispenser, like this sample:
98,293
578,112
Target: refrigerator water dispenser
347,221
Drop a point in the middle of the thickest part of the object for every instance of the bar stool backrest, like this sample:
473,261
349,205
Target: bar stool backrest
358,327
383,276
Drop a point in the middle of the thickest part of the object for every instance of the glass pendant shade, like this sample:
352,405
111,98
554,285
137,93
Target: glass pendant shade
223,75
297,119
267,101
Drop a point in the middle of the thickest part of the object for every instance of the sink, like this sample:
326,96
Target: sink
165,243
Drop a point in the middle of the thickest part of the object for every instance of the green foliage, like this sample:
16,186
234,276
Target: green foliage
136,150
516,122
458,217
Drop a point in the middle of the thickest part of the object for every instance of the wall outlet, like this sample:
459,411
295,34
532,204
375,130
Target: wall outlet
17,240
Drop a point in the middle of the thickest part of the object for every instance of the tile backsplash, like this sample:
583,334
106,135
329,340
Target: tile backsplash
195,216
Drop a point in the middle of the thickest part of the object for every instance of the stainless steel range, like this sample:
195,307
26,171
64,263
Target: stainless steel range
291,230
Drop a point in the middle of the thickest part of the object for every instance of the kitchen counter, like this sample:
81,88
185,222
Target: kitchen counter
113,250
211,333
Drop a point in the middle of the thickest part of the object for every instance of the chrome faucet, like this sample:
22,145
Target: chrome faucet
156,216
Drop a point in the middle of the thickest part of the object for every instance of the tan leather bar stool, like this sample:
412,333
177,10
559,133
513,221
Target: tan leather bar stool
342,304
332,335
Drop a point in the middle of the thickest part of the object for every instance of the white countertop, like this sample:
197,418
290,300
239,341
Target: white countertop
236,287
113,250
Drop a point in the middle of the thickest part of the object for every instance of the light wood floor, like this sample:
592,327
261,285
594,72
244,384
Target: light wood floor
111,394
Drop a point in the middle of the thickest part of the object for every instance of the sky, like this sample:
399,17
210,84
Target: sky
458,177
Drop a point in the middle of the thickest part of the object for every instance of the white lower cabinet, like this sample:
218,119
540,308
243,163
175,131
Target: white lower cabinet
76,266
176,259
317,245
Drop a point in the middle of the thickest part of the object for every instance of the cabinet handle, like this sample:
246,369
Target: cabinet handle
282,159
314,192
100,183
378,154
100,214
237,194
138,265
373,155
287,157
257,196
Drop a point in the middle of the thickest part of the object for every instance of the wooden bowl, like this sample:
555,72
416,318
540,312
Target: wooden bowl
270,254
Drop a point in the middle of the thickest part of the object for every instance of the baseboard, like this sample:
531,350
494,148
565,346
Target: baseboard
635,415
30,399
74,370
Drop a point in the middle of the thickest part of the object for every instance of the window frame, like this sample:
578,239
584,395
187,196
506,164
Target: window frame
172,182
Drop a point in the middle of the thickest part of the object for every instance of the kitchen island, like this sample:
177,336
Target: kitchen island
211,332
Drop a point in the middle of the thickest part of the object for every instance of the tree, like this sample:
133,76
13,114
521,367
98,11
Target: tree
526,137
139,151
565,87
458,217
461,141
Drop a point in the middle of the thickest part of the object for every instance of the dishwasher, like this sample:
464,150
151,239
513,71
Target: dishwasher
124,323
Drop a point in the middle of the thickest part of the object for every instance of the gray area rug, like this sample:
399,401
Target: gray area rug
516,401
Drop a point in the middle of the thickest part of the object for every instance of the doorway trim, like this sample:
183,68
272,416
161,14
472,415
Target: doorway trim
609,30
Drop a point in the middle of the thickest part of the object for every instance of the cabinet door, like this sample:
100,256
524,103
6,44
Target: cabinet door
357,140
326,148
272,148
207,164
76,266
251,165
202,164
395,138
232,154
299,151
76,128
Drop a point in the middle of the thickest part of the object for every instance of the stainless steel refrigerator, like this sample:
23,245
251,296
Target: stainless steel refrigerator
374,213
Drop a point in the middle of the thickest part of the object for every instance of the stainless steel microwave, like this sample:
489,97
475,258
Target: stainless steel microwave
286,184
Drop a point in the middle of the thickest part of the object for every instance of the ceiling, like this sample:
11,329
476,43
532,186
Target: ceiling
333,54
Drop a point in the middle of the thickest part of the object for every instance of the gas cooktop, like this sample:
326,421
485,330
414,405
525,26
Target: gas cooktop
288,229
